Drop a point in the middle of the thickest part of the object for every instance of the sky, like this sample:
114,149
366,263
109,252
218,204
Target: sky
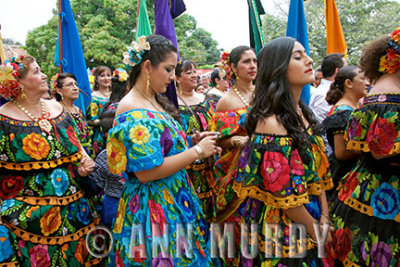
226,20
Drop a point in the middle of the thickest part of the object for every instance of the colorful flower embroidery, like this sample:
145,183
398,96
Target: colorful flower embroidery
355,129
83,211
381,137
385,201
157,217
72,136
134,204
119,221
60,181
94,109
35,146
139,134
381,255
51,221
342,243
10,186
5,245
168,197
275,170
185,201
162,261
349,186
81,251
39,256
296,164
116,156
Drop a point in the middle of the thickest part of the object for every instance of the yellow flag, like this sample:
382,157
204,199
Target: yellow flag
335,42
2,54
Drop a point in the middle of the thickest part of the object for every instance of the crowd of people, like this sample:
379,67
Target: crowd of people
238,165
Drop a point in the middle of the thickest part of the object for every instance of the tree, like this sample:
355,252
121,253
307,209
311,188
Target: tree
10,41
107,27
362,21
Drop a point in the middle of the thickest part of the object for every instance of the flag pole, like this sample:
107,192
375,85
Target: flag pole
60,33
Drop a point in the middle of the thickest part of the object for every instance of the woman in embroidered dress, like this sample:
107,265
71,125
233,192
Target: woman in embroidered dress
366,214
241,66
220,85
347,89
282,170
149,145
43,206
66,92
195,113
100,96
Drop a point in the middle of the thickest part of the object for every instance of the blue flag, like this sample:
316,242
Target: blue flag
163,15
73,60
297,28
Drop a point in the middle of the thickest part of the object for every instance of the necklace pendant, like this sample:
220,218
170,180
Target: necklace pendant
45,125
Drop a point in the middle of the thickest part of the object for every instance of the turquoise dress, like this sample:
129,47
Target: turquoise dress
153,212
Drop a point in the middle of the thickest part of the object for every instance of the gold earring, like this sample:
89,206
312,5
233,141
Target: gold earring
237,77
148,84
23,94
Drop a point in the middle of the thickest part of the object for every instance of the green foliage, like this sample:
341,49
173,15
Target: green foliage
107,27
362,21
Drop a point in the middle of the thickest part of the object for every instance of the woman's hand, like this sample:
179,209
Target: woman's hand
209,145
198,136
239,141
86,165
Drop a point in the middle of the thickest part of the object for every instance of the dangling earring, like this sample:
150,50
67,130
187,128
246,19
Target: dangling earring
23,94
62,97
237,77
148,84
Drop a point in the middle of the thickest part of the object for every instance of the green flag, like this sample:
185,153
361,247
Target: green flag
256,37
143,22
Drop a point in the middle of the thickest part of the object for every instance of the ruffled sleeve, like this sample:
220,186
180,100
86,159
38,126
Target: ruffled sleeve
336,124
374,128
272,171
229,123
137,145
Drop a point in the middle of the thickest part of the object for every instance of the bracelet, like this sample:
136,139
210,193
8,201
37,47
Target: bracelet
199,149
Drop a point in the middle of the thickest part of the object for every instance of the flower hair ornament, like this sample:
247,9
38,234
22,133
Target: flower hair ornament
390,62
9,72
121,74
53,82
224,67
135,52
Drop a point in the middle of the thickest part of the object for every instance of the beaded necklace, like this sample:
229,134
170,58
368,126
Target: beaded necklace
240,96
43,121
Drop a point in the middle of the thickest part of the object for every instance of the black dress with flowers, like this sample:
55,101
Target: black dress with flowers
200,172
45,214
273,176
366,214
335,123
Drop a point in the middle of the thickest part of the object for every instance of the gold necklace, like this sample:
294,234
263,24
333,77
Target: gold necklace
43,121
151,102
240,96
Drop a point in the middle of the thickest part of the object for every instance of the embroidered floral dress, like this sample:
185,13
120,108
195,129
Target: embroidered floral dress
228,123
273,176
92,113
366,214
43,207
139,141
212,99
84,132
201,172
335,123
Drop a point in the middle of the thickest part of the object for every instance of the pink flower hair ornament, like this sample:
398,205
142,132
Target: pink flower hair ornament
390,62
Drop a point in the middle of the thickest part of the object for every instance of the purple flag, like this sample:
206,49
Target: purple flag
163,15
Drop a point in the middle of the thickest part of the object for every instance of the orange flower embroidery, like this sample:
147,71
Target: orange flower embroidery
35,146
51,221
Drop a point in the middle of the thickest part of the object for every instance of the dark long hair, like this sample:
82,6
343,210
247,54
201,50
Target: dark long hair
160,48
273,95
118,91
337,88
